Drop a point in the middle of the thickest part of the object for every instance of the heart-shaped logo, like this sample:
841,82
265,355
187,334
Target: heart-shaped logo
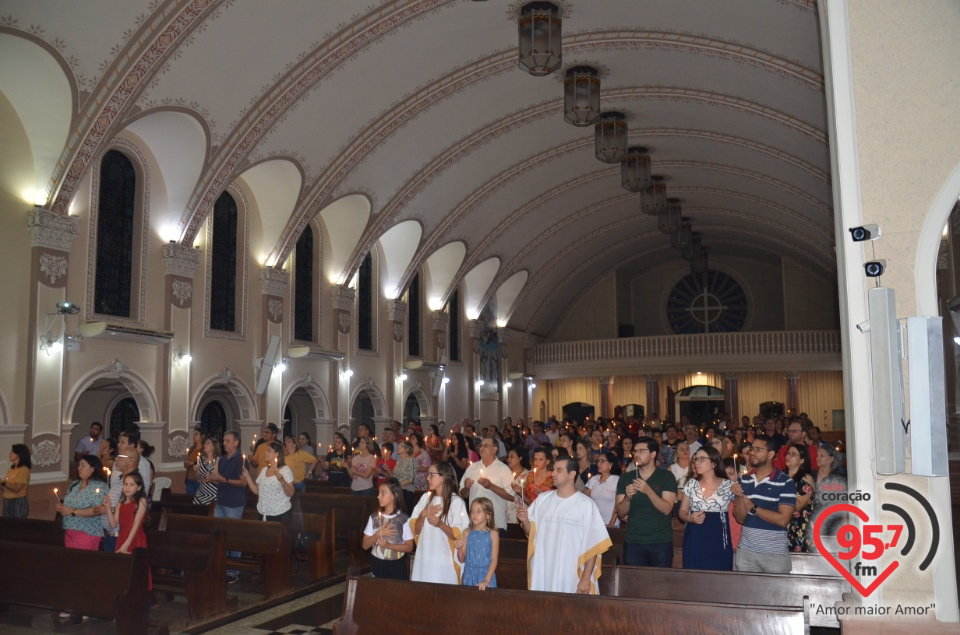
864,591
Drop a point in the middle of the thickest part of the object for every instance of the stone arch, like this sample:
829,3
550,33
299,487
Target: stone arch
244,406
132,382
3,410
321,404
422,398
370,389
928,245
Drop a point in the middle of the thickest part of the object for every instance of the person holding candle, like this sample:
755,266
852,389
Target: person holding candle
541,480
437,522
433,443
602,487
406,473
129,516
731,470
273,484
300,463
270,433
362,468
389,534
647,497
206,465
231,487
80,506
567,536
585,465
704,504
457,454
122,466
519,467
335,462
800,529
17,483
190,482
489,478
89,444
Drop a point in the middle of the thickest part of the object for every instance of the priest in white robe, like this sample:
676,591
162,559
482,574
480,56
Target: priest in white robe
566,536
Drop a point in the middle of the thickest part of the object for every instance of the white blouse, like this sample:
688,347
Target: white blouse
272,500
716,502
605,496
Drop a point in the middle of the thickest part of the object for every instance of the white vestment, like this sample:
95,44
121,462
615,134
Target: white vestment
565,533
435,559
499,475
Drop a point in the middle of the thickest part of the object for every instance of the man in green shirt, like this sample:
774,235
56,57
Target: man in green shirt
647,499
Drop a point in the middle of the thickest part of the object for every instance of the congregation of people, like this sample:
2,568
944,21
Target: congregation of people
747,493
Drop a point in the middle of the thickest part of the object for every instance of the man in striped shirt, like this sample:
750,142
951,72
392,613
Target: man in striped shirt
765,500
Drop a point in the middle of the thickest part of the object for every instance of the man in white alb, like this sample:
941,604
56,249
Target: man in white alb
567,536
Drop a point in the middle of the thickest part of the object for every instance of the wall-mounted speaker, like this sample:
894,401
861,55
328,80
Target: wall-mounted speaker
887,375
928,410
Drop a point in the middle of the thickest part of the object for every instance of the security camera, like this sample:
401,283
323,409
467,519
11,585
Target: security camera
864,327
875,268
866,232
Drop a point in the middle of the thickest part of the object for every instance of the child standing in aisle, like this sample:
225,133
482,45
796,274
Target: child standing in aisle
480,547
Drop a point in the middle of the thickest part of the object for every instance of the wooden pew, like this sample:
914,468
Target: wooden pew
439,608
162,509
320,552
202,561
269,542
517,550
201,557
713,587
59,579
351,518
324,487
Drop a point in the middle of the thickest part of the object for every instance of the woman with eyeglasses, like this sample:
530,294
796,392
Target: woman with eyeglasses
438,522
602,487
703,507
681,466
800,529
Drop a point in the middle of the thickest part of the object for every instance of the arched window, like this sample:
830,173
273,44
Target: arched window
124,417
365,300
116,222
413,317
454,308
223,288
303,288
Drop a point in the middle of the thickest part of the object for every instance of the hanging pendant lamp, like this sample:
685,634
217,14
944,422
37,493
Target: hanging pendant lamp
540,38
654,196
668,221
635,169
581,95
610,137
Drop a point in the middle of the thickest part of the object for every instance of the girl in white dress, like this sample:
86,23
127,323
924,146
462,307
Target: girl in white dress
438,522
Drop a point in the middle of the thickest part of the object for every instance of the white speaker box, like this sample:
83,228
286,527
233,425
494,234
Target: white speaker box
928,410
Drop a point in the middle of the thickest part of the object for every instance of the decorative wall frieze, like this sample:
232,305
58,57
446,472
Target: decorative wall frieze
440,320
275,310
274,281
396,311
182,291
51,230
180,260
177,444
342,298
343,321
116,367
45,453
53,266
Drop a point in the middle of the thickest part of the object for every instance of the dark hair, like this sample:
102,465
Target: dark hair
613,460
387,446
418,437
522,455
767,441
213,441
232,433
560,451
339,435
146,450
23,455
133,437
651,444
394,486
434,429
729,462
805,465
272,427
715,460
572,465
94,462
305,434
462,452
138,479
547,455
277,447
98,424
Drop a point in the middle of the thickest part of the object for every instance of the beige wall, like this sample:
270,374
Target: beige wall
594,316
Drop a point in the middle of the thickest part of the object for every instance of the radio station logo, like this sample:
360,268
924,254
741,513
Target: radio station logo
875,539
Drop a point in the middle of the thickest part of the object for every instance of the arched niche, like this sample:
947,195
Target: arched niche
366,404
304,403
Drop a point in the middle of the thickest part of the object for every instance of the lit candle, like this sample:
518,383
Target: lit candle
331,448
55,490
481,472
380,514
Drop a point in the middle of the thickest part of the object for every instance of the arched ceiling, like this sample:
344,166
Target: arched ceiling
418,106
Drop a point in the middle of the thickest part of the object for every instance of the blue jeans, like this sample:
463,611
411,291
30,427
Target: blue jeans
365,492
659,555
109,543
300,487
191,486
229,512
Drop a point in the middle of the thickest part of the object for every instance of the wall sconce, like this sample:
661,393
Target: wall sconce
446,380
402,376
346,373
181,357
282,364
479,383
509,384
49,344
532,386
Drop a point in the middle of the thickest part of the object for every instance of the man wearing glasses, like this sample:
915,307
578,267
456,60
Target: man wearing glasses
794,435
491,479
648,500
764,503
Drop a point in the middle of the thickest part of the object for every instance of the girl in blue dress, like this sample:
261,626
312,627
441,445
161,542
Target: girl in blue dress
480,546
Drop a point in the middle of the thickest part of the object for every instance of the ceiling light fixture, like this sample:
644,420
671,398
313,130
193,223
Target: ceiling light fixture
610,137
581,96
635,169
654,198
680,238
668,221
540,38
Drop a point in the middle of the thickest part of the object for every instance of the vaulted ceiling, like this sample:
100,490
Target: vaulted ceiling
419,107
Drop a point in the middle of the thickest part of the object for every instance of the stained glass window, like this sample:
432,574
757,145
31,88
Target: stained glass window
707,303
365,304
413,317
303,308
454,308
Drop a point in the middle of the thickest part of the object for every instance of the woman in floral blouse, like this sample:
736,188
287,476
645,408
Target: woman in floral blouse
703,507
800,529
